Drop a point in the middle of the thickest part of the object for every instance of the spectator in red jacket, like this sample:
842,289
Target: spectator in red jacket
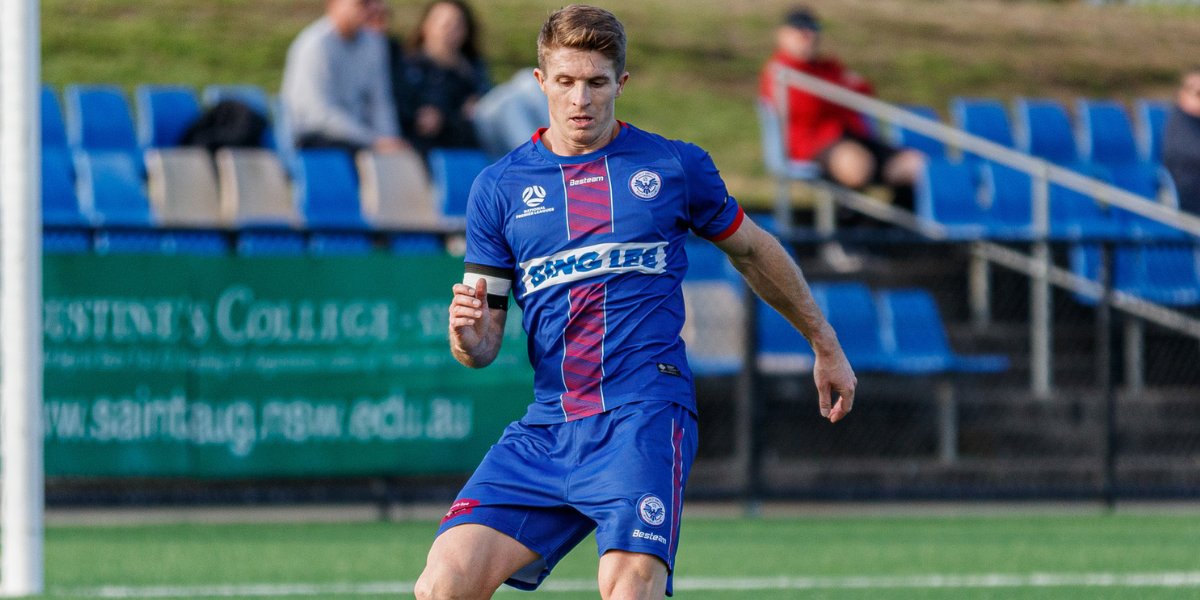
835,137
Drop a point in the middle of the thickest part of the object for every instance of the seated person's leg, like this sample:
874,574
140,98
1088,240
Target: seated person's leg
849,163
904,167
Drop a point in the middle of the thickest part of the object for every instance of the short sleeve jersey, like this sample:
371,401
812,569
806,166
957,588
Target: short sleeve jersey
594,246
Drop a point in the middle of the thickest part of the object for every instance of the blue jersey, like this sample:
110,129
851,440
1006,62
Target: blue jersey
594,247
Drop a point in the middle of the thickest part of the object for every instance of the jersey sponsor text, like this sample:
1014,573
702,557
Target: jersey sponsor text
593,261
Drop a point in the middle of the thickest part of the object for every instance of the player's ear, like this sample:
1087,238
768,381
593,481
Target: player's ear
540,76
621,83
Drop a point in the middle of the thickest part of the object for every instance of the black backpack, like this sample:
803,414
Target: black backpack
227,123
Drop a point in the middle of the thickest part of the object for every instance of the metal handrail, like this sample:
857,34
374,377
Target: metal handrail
1038,168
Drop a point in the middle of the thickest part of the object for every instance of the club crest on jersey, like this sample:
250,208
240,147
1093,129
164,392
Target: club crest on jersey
651,510
645,184
533,196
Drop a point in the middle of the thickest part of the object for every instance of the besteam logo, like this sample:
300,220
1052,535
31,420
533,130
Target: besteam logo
593,261
653,537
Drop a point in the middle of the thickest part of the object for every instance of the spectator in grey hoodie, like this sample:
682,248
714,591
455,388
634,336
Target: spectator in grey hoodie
1181,142
336,85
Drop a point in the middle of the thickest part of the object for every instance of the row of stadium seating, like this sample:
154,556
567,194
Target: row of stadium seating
1101,131
106,188
975,198
874,339
99,116
326,195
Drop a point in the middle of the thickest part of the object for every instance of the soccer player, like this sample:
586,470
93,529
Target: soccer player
585,226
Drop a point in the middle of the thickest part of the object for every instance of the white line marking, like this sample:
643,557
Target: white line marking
741,584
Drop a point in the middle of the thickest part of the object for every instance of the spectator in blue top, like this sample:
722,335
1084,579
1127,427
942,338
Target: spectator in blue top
1181,141
444,79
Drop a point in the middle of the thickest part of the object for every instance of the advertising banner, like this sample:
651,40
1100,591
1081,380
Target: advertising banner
162,366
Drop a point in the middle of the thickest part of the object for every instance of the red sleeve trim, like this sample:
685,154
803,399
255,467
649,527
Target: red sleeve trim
733,227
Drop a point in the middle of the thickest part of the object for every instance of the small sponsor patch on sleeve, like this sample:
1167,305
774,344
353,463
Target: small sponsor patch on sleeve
667,369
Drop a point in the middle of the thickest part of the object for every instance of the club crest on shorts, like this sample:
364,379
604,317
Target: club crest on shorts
645,184
651,510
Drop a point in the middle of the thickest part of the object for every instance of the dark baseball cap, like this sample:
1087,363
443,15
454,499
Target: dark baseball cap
802,18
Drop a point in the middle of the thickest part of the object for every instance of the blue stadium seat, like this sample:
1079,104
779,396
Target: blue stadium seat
198,242
948,193
110,190
56,240
781,349
706,262
164,114
54,129
1008,196
453,171
1151,119
984,117
915,336
1073,216
1076,216
1144,180
1044,129
907,138
98,118
326,190
270,241
714,291
64,228
60,204
850,309
1105,133
416,244
1166,274
129,241
1171,274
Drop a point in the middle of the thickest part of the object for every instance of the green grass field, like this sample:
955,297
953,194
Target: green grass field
1047,556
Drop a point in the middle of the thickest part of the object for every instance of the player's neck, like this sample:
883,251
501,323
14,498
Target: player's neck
563,146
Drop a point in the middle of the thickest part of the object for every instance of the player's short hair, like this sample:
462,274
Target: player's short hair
583,27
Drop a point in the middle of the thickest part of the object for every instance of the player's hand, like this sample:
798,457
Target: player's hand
833,375
469,315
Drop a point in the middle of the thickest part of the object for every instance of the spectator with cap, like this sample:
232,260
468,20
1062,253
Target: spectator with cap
1181,141
336,89
834,136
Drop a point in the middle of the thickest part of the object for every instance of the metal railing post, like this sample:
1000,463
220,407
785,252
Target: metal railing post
1040,312
783,199
979,292
1135,347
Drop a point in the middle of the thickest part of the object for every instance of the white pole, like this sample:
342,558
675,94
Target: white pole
22,496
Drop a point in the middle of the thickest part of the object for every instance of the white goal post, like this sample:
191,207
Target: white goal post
21,489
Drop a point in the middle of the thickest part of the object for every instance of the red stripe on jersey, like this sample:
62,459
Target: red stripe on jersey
583,354
589,198
733,227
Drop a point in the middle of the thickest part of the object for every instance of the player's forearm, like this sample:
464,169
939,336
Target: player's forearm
776,278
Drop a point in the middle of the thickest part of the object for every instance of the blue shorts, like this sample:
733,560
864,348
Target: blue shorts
620,473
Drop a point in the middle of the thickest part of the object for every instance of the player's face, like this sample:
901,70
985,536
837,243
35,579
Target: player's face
581,89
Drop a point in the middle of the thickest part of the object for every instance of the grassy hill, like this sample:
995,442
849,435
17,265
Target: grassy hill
694,62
